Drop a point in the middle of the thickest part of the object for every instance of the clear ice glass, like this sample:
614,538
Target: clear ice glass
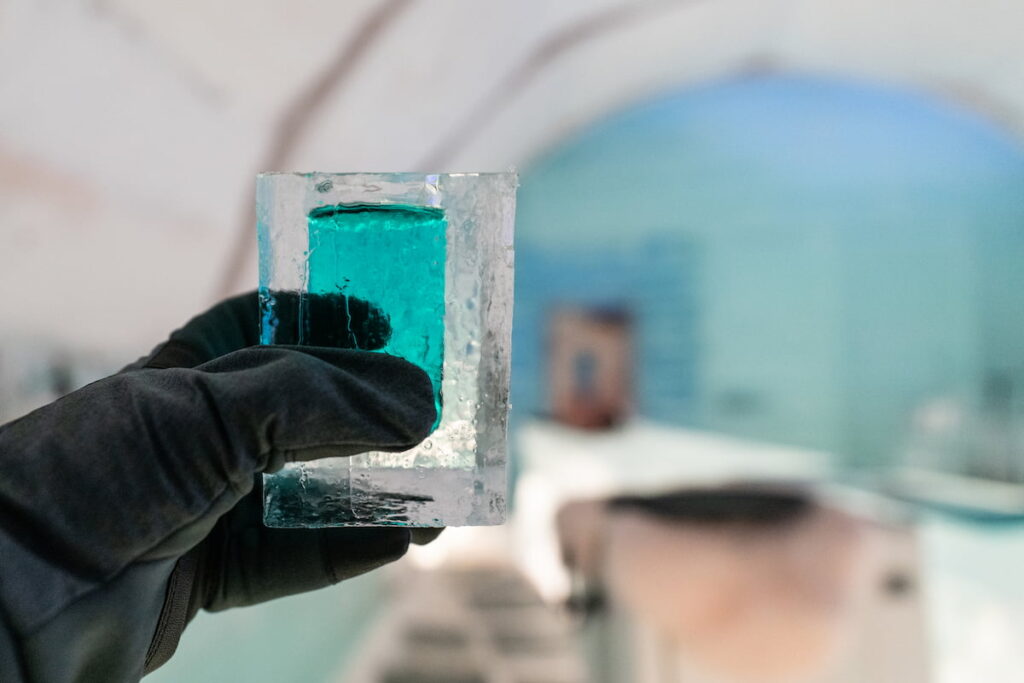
431,254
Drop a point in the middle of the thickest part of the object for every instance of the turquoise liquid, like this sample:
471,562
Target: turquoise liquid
393,258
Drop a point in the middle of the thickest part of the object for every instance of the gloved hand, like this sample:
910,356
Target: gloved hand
128,505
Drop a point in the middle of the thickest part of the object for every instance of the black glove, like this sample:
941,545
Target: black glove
128,505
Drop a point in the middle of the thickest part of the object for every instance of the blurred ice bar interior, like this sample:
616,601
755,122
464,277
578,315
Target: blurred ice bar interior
768,350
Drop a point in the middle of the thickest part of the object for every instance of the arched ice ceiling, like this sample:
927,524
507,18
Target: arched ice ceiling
130,130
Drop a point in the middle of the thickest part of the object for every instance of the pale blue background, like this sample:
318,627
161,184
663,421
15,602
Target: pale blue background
810,259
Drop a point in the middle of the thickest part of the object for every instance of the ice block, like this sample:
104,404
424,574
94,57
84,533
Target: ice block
424,264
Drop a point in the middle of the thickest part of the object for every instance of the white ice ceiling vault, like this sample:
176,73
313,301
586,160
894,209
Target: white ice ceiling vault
130,130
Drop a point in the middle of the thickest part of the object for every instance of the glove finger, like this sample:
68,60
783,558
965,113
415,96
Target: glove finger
425,535
141,465
272,405
245,563
291,561
333,320
275,404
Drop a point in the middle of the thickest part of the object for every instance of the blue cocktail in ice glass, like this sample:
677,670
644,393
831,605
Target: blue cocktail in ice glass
418,266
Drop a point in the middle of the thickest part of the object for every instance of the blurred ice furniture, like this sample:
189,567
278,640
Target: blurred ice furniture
700,558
